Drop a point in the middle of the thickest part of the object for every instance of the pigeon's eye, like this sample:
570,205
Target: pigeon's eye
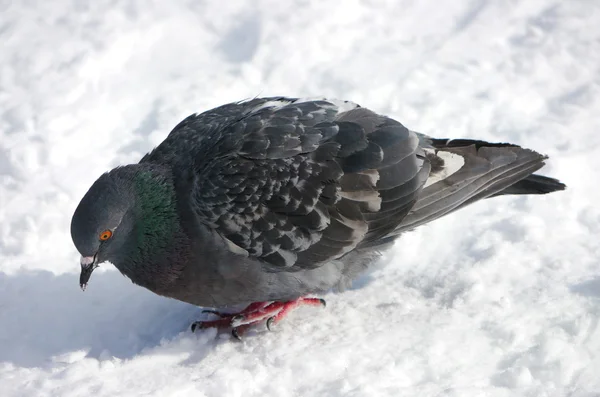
105,235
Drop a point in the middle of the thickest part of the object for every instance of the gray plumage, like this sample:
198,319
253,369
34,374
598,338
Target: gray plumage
277,198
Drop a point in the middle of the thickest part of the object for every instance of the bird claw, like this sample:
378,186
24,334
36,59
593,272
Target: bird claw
270,321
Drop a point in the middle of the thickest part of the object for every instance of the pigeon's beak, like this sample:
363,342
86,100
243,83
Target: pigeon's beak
88,264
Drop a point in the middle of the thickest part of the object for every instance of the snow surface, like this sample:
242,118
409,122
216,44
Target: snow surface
500,299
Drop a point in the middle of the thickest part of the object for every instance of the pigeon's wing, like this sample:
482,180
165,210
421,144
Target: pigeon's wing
465,171
298,183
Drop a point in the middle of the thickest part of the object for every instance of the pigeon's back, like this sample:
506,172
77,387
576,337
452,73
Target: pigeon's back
294,184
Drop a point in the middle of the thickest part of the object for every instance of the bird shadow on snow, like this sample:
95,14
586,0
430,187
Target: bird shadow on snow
45,317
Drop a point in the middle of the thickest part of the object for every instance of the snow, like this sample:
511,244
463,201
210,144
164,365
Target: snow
499,299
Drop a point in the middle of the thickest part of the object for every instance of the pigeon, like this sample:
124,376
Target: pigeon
264,203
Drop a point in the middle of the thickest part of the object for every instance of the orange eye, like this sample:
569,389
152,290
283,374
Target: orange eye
105,235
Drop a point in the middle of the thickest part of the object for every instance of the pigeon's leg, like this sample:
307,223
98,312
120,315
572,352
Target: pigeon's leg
226,318
255,316
274,312
289,306
255,313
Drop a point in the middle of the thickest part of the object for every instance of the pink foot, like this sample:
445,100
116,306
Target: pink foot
256,312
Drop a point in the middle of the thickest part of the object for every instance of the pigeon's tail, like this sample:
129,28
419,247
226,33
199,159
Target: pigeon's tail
533,184
464,171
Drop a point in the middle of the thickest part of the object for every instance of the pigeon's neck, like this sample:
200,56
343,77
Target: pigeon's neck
157,248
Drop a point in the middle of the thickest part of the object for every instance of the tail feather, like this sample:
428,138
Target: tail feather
486,170
533,184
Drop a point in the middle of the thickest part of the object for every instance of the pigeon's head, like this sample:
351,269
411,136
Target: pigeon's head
103,221
129,218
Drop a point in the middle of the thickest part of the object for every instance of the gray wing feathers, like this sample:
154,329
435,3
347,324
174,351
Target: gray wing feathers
299,185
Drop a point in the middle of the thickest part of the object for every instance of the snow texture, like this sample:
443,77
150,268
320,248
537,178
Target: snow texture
499,299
